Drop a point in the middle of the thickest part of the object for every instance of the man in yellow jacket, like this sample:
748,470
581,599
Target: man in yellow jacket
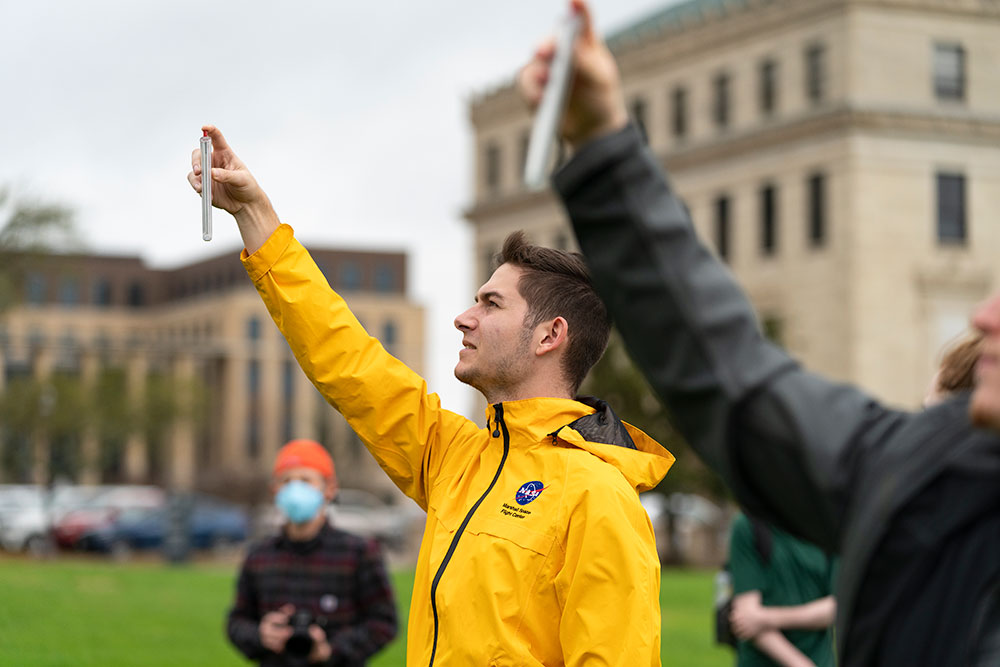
536,549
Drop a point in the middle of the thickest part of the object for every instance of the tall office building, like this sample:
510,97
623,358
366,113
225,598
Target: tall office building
842,156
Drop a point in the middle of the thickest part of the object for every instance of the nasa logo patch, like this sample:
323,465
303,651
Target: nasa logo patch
528,492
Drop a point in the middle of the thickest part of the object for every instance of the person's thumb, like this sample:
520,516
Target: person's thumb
236,178
580,8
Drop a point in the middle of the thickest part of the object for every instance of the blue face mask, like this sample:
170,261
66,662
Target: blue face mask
299,501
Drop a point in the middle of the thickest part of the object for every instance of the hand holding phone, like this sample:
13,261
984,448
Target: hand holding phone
206,186
550,109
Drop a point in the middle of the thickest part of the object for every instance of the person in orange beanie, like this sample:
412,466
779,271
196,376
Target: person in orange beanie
312,594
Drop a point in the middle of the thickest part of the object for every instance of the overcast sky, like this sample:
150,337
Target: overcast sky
352,116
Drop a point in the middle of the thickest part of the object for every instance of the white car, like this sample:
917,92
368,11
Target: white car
23,522
363,513
28,512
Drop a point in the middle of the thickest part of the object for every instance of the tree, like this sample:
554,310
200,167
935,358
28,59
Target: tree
64,407
30,229
616,379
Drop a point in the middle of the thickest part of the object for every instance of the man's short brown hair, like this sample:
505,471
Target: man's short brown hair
556,283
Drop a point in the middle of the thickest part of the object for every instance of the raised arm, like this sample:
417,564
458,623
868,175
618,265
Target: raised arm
384,401
784,440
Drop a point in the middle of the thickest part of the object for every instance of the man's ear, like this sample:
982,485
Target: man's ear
554,335
330,490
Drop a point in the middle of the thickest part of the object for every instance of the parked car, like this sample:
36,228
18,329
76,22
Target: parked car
686,526
101,509
27,513
22,518
365,514
211,523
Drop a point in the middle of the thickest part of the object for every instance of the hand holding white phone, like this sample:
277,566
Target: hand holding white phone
550,109
206,186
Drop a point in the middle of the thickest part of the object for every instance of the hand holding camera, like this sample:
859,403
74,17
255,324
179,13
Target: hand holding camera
296,634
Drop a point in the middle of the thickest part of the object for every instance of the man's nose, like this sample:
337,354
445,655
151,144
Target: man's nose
464,321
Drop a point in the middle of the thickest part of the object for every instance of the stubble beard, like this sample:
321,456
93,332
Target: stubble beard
499,381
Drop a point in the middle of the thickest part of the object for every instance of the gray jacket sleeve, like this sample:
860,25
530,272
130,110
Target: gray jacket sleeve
787,442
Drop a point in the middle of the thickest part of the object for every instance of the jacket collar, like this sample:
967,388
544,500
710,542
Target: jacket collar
588,424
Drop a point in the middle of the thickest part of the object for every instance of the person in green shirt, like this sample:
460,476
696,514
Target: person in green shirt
783,608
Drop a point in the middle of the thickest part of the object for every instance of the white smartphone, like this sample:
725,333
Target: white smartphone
550,109
206,187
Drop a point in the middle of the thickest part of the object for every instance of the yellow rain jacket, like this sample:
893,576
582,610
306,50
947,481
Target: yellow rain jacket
536,549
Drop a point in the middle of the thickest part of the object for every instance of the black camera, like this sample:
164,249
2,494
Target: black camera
300,644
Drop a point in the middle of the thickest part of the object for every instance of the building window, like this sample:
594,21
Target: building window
815,73
637,110
949,72
288,398
722,227
492,167
389,334
253,377
522,156
136,295
253,328
253,435
385,278
951,228
489,264
35,289
68,354
288,380
36,338
768,220
817,210
350,275
768,87
102,343
69,291
679,116
720,108
102,292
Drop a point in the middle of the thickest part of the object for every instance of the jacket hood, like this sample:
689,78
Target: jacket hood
591,425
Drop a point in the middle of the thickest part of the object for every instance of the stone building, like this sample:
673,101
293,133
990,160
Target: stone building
204,325
842,156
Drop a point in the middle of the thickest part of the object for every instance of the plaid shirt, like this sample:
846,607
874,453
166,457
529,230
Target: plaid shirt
340,578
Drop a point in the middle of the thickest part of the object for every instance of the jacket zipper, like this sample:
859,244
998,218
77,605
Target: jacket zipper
499,425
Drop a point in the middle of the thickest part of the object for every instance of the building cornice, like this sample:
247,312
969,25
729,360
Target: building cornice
521,201
681,42
648,51
833,122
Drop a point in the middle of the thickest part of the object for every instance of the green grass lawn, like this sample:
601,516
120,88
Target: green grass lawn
80,613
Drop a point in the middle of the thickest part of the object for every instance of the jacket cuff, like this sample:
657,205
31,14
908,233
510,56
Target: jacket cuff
259,263
594,157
